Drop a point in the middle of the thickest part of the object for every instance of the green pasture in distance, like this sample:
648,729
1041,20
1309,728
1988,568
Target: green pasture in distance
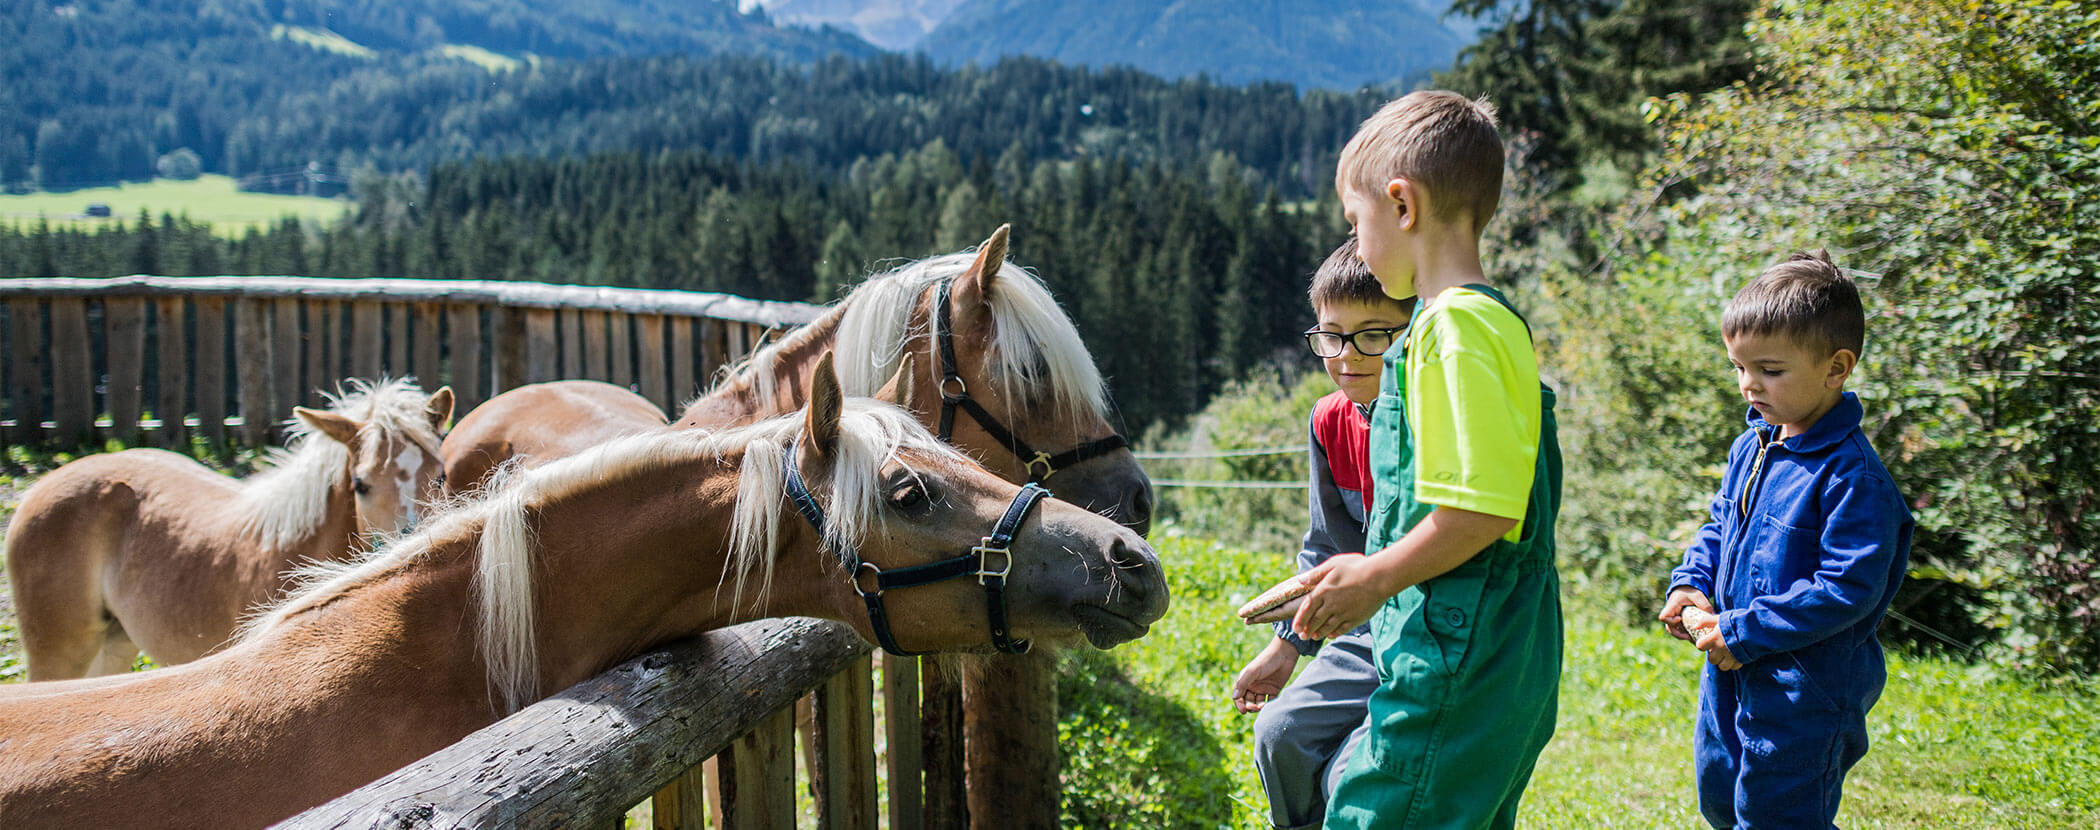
209,198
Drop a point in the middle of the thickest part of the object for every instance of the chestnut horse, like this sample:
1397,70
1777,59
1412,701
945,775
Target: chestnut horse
1004,376
148,550
569,569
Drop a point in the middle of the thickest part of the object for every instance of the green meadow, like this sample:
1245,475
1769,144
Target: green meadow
209,198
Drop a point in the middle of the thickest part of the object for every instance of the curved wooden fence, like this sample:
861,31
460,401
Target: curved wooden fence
154,360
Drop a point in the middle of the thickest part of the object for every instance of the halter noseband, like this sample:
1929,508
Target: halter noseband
1031,457
977,562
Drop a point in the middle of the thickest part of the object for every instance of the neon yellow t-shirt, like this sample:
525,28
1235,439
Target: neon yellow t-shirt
1473,406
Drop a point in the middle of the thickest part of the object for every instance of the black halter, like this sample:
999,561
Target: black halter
1013,443
977,562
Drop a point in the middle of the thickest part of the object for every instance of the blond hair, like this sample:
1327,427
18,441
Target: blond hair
1442,141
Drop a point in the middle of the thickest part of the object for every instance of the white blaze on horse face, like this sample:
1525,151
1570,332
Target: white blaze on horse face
407,465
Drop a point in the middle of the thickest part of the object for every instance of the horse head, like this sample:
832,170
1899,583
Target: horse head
941,554
392,433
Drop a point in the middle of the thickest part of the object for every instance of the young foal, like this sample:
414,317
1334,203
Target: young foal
1013,387
148,550
568,570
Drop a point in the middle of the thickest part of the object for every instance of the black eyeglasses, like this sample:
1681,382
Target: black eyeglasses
1368,342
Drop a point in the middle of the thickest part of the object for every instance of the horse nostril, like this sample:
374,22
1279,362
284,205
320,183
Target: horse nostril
1137,511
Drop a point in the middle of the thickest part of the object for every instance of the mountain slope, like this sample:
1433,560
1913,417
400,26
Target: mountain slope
1335,44
890,24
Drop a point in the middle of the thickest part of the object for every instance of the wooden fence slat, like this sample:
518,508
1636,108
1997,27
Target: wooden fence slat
367,340
424,364
252,359
316,336
1010,740
335,345
597,350
124,341
173,368
618,332
682,388
947,806
72,372
758,776
397,341
901,742
25,378
845,767
463,331
571,331
649,340
210,369
508,325
714,352
683,804
288,338
542,348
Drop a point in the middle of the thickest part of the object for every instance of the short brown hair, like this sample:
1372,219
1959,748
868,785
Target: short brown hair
1444,142
1805,298
1344,278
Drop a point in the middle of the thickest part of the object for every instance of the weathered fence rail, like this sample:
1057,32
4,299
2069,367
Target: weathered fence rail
582,758
148,360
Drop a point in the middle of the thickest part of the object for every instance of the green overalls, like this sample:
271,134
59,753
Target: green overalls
1468,662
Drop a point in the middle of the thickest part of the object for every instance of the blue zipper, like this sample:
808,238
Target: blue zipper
1742,507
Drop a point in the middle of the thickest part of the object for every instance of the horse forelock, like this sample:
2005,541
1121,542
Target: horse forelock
284,502
1034,345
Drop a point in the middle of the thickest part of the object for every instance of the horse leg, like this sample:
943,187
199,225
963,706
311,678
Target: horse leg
117,654
61,648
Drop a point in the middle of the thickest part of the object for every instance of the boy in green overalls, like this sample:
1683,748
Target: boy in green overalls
1460,589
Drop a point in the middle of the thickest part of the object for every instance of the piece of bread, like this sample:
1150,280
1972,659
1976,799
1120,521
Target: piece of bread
1698,621
1277,603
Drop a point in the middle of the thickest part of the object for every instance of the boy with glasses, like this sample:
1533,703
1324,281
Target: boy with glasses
1302,728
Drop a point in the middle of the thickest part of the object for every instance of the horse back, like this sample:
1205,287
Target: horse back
540,422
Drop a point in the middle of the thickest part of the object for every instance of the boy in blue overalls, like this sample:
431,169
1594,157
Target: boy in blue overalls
1304,728
1807,543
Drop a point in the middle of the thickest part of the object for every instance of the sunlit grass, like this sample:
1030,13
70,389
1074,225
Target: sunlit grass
211,198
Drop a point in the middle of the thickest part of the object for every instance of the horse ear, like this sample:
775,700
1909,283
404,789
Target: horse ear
975,285
822,420
439,408
341,429
898,389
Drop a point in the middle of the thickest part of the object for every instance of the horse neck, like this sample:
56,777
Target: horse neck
740,399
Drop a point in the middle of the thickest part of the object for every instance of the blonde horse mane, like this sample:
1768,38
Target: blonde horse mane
1034,345
282,503
870,433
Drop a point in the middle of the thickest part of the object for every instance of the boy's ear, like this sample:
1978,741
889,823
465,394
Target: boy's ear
1841,365
1408,197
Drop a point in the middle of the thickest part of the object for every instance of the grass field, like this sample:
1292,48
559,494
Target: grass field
212,199
1151,739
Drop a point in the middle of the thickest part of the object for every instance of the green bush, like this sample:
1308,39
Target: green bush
1269,409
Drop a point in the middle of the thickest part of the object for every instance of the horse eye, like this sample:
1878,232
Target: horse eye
359,485
908,497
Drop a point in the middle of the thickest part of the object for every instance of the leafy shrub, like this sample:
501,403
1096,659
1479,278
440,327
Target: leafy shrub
1269,409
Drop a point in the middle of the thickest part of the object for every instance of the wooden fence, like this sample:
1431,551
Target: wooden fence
156,360
703,730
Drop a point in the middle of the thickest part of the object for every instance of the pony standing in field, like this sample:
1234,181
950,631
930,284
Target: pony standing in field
569,569
148,550
994,348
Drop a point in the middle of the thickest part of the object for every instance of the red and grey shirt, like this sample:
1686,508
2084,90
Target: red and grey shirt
1339,492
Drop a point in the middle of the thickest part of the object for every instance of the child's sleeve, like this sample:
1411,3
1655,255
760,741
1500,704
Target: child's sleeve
1327,531
1862,556
1697,572
1474,404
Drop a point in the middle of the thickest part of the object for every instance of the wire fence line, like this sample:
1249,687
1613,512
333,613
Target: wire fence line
1178,456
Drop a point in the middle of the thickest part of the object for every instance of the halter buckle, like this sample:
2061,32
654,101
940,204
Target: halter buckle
867,568
1042,458
984,553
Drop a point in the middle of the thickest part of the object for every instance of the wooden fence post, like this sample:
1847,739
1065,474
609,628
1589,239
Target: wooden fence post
947,804
287,337
173,368
397,340
619,332
72,372
124,344
25,378
900,722
252,356
571,326
845,769
508,325
542,348
367,340
210,367
1010,740
425,365
757,776
682,388
320,332
649,337
463,330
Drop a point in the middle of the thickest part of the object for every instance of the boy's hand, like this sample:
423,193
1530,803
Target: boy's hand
1672,615
1264,677
1345,594
1717,652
